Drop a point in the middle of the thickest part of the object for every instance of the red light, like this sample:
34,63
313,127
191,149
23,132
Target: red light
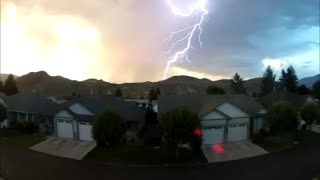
197,132
218,148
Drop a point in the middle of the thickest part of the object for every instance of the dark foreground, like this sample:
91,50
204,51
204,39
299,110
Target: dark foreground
302,163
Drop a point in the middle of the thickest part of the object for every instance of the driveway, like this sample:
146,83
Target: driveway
68,148
232,151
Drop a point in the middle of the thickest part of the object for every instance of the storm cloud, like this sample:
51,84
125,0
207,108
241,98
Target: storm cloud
238,36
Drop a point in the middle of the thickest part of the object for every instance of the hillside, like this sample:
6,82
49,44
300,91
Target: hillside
48,85
309,81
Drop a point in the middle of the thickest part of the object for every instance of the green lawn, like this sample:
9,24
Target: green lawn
143,155
20,139
284,141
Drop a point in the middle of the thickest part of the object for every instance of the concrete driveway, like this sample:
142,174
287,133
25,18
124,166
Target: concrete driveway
232,151
67,148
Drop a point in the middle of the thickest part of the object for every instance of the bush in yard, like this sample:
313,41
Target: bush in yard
25,126
109,128
282,117
310,113
180,126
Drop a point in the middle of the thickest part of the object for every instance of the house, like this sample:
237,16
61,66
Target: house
295,99
74,120
30,107
224,118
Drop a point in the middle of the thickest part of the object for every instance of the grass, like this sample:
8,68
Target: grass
20,139
143,155
284,141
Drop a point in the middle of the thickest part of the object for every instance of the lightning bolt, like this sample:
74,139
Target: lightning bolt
198,8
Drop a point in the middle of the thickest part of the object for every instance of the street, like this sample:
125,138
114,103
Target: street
302,163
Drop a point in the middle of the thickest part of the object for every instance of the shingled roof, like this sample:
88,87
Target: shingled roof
31,103
203,104
96,103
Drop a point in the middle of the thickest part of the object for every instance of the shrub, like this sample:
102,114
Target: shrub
310,113
24,126
109,128
282,117
178,126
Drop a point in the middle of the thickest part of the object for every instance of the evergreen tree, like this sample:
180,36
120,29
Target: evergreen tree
10,87
268,82
152,94
291,80
118,92
158,92
283,80
237,85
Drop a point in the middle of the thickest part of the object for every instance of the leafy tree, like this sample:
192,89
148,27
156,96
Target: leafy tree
237,85
215,90
118,92
267,82
3,112
178,126
282,117
109,128
10,87
310,113
1,86
316,89
289,79
152,94
303,89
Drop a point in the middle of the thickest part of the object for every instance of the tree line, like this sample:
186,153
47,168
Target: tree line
288,81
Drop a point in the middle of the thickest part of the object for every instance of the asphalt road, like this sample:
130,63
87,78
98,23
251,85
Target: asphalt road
302,163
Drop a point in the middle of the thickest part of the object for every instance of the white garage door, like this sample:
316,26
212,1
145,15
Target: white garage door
212,134
64,129
85,131
237,132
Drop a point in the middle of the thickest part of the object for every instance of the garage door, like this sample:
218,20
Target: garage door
85,131
212,134
64,129
237,132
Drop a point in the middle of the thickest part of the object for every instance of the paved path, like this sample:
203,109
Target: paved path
232,151
302,163
68,148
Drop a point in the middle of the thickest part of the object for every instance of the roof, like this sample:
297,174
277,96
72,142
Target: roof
203,104
128,110
32,103
295,99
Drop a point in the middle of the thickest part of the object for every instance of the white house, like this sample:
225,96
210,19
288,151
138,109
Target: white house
75,119
224,118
